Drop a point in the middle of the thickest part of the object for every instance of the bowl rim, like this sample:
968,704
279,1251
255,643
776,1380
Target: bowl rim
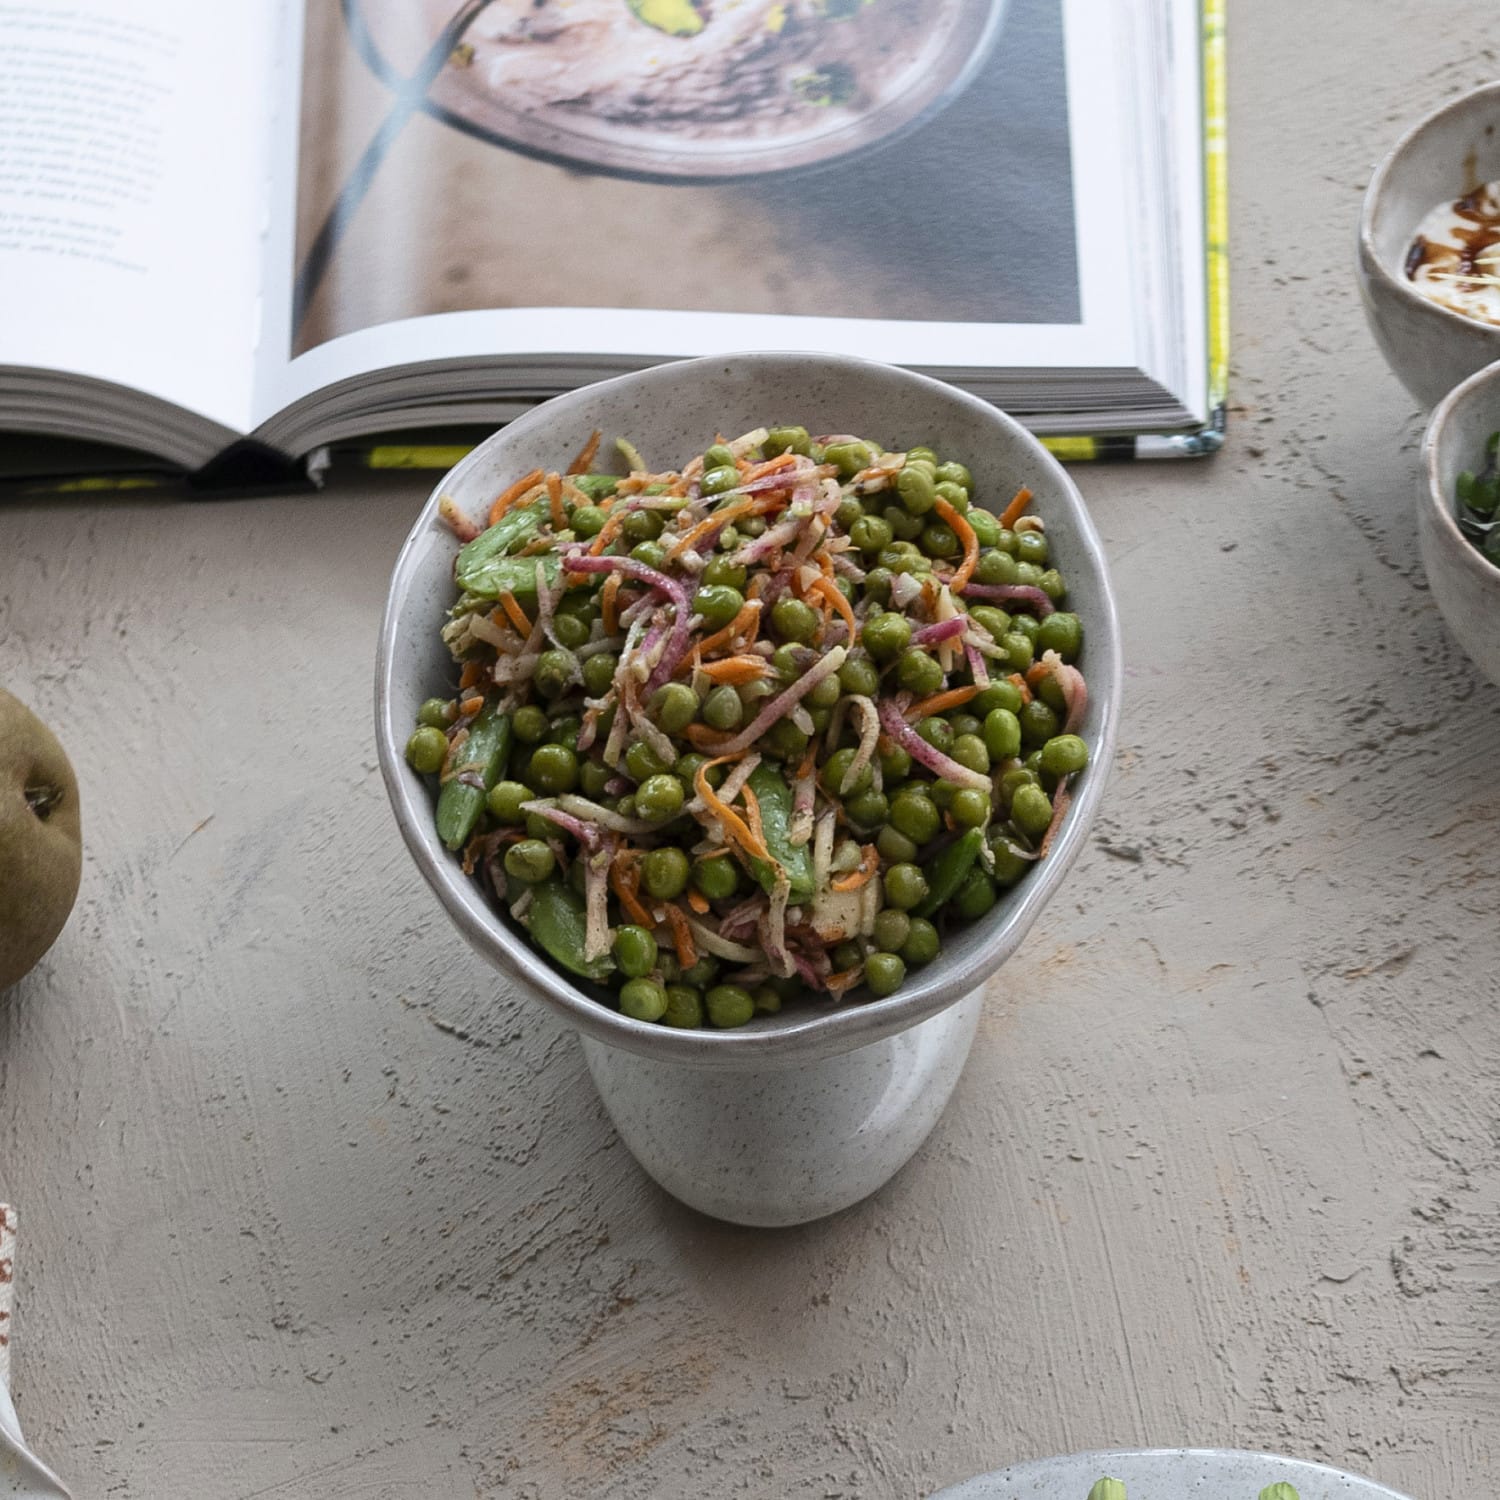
1104,1457
825,1032
1389,164
1437,424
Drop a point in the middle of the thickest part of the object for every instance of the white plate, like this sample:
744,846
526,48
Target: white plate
1167,1474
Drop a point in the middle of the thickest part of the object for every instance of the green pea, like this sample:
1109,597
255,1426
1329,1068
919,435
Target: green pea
723,709
886,636
753,526
826,693
718,603
651,554
904,525
793,620
1052,585
892,928
703,973
635,952
505,799
684,1006
942,792
963,723
718,456
969,750
673,706
785,740
553,670
922,944
729,1005
871,533
917,489
905,886
994,622
716,878
836,768
970,808
849,458
767,999
894,847
1029,574
726,574
1062,633
593,777
686,769
642,761
538,827
938,732
426,750
1002,734
664,873
642,526
884,973
974,897
1031,810
570,631
951,473
436,713
1019,653
915,815
530,860
1014,779
1007,540
658,798
868,809
729,540
717,481
1064,755
789,661
858,675
940,540
922,454
1038,724
846,956
553,769
599,673
1010,865
919,673
1027,625
643,999
529,724
1000,694
895,764
1031,546
985,527
851,510
588,520
788,440
878,586
996,567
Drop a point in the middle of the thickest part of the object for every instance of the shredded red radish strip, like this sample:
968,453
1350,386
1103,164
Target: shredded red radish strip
460,525
869,736
943,630
977,668
1010,593
585,833
895,725
1060,802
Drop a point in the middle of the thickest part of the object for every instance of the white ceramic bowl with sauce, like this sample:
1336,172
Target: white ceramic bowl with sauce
1451,152
804,1112
1465,584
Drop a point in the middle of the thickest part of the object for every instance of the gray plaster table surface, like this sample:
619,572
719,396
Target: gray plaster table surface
310,1206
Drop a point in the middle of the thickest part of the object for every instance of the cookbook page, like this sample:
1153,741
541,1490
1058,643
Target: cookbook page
929,182
134,182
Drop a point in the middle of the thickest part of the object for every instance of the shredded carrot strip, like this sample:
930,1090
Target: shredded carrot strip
470,675
701,737
869,862
586,454
729,819
682,938
607,603
770,466
752,816
471,705
719,853
698,901
1020,682
719,518
748,620
625,880
736,669
965,533
515,613
845,980
930,593
507,498
941,702
808,761
554,499
835,596
607,532
1017,507
1036,672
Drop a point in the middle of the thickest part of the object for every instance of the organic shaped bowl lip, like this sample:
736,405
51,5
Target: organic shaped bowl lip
793,1035
1098,1462
1432,440
1391,164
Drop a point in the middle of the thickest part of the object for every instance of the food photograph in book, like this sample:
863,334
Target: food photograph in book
884,159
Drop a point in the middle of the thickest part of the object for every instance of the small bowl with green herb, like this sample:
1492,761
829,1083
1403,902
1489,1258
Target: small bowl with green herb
1458,515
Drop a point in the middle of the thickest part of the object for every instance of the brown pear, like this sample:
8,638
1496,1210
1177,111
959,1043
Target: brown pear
41,847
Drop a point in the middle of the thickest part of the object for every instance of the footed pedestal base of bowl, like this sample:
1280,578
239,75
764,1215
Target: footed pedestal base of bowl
778,1145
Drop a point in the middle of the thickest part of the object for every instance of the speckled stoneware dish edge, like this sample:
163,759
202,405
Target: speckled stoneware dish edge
1465,585
667,411
1430,348
1167,1474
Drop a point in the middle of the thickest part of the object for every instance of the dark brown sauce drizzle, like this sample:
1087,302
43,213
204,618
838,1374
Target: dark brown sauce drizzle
1481,233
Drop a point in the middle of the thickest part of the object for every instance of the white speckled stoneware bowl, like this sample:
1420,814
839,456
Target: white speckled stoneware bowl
1451,152
1167,1474
805,1112
1465,585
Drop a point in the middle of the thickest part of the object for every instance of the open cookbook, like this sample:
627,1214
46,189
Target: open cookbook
234,239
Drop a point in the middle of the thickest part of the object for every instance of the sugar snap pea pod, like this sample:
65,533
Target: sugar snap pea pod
477,559
516,575
1107,1489
775,799
596,486
1281,1490
483,754
558,921
945,872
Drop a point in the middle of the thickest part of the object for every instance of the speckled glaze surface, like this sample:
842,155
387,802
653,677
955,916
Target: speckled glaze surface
1465,585
773,1146
1167,1474
1450,152
666,411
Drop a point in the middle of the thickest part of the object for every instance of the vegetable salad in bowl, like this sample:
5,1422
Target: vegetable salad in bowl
764,727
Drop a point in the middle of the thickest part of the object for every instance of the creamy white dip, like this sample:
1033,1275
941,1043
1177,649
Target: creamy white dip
1455,256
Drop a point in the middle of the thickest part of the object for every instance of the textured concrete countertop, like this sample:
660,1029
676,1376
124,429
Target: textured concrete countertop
310,1208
